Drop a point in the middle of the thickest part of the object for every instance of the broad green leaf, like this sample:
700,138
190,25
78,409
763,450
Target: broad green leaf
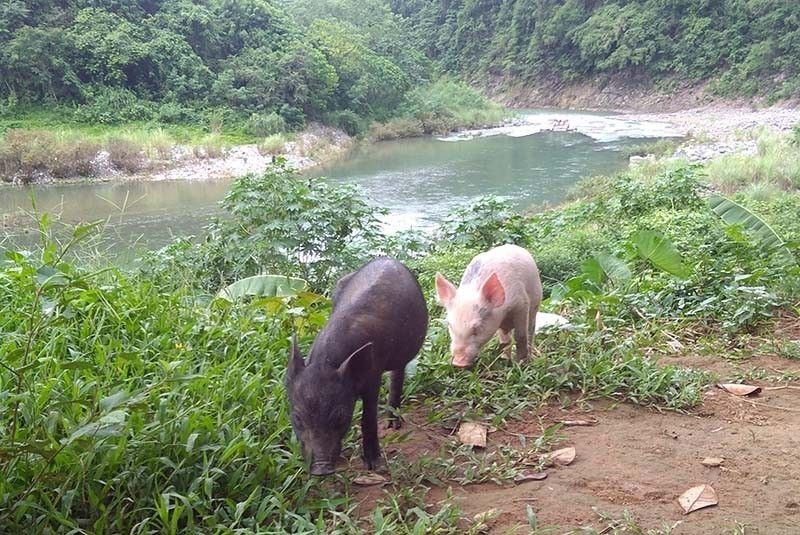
659,251
49,277
735,214
113,401
109,425
603,266
615,269
593,271
262,286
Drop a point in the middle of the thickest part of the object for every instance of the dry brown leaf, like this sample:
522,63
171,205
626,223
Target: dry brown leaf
740,390
588,422
697,498
472,434
369,479
530,475
712,461
563,457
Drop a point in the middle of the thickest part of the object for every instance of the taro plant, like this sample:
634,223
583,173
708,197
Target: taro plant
482,223
299,227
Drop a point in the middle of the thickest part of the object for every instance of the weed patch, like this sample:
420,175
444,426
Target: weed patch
137,400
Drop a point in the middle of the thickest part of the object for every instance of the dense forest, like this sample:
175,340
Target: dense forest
745,47
127,60
279,64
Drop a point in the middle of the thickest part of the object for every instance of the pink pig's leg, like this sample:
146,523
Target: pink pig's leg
505,341
521,335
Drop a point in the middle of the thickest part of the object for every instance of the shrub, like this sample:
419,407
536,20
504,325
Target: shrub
26,152
298,227
273,144
73,158
348,121
446,105
678,188
295,117
125,154
485,222
174,113
401,127
112,105
263,125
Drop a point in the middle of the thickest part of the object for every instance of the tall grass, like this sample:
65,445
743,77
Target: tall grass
24,153
137,403
274,144
68,153
438,108
776,163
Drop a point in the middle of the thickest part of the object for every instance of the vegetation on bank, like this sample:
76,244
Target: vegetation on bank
746,48
47,144
137,401
143,77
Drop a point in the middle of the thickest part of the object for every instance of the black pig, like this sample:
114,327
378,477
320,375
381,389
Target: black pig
378,323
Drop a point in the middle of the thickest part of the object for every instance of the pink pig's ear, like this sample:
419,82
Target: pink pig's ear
493,291
445,291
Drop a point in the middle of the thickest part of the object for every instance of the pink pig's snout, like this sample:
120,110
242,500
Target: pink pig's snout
463,358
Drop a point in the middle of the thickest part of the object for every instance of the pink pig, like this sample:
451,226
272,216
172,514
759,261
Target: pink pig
500,290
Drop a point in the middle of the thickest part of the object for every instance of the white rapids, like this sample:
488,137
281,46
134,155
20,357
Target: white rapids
603,128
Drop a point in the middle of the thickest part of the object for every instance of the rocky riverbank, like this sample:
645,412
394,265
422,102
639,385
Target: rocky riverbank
715,131
41,157
317,145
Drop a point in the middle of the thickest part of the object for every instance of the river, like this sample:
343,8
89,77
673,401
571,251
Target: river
418,180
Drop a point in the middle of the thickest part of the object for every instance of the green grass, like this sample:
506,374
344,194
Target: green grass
134,401
662,147
440,108
775,165
58,120
126,392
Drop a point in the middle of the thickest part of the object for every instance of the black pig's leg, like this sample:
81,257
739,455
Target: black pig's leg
395,398
369,427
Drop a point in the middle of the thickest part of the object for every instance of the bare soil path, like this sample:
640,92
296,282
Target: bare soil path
638,461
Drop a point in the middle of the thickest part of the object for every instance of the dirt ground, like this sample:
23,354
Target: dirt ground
642,460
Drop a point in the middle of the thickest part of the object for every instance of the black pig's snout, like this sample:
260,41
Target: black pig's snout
322,468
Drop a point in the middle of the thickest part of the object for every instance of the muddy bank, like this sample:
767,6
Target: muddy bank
634,462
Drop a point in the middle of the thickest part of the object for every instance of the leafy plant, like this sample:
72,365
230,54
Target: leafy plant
735,214
484,222
657,249
262,286
280,222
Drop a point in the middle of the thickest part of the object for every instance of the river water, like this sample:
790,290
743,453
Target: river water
418,180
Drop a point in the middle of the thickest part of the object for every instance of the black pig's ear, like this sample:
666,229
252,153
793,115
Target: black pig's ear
358,359
296,362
